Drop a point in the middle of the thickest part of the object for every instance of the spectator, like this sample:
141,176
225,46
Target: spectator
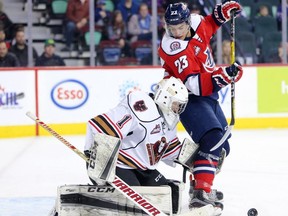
48,57
140,25
8,25
277,56
279,15
116,2
7,59
226,52
3,37
161,27
20,48
128,8
263,11
77,16
2,34
101,14
117,32
160,4
196,8
281,52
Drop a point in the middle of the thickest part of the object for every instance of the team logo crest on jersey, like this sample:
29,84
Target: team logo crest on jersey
156,150
175,46
156,129
140,106
209,63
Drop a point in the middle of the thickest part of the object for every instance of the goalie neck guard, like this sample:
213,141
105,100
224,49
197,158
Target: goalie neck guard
171,96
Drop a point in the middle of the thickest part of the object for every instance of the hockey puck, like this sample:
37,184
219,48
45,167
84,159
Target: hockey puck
252,212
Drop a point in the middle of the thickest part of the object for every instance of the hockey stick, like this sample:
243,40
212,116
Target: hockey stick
232,60
118,183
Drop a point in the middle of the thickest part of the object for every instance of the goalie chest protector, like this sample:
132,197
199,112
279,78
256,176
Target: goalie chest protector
149,137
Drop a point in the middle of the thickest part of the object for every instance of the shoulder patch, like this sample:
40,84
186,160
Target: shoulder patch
143,106
175,45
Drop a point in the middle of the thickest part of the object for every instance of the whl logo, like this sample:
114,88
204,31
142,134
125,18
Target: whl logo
69,94
10,99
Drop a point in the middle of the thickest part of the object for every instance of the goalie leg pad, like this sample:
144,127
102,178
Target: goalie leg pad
103,158
93,200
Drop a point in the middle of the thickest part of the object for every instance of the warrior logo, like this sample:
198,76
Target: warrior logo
175,46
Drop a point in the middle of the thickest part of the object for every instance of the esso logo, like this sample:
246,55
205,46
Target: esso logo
69,94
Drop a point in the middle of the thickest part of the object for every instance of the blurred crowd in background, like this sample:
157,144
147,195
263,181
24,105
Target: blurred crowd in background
123,32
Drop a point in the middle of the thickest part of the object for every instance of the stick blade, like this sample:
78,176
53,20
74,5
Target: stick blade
31,115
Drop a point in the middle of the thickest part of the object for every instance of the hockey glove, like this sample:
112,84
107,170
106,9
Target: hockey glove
222,12
223,76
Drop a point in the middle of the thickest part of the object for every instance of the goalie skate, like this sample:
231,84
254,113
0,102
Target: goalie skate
207,210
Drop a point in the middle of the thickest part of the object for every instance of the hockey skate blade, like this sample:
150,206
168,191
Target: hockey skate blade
207,210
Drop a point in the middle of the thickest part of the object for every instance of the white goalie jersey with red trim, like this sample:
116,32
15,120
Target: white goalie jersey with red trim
145,138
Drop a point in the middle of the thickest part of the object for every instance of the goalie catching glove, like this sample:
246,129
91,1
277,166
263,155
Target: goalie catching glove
222,12
187,153
223,76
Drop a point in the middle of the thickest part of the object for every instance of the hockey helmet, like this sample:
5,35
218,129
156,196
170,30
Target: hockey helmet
176,14
171,96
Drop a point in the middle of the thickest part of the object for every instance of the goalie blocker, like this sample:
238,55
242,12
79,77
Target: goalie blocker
103,158
189,151
187,154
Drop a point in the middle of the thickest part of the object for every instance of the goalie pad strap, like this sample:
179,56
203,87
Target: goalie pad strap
96,203
177,188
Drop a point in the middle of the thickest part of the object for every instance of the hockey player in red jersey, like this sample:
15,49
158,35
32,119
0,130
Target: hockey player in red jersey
185,53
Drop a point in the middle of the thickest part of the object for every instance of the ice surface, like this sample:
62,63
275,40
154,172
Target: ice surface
254,175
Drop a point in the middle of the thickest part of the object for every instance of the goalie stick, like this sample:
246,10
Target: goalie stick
118,183
232,60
